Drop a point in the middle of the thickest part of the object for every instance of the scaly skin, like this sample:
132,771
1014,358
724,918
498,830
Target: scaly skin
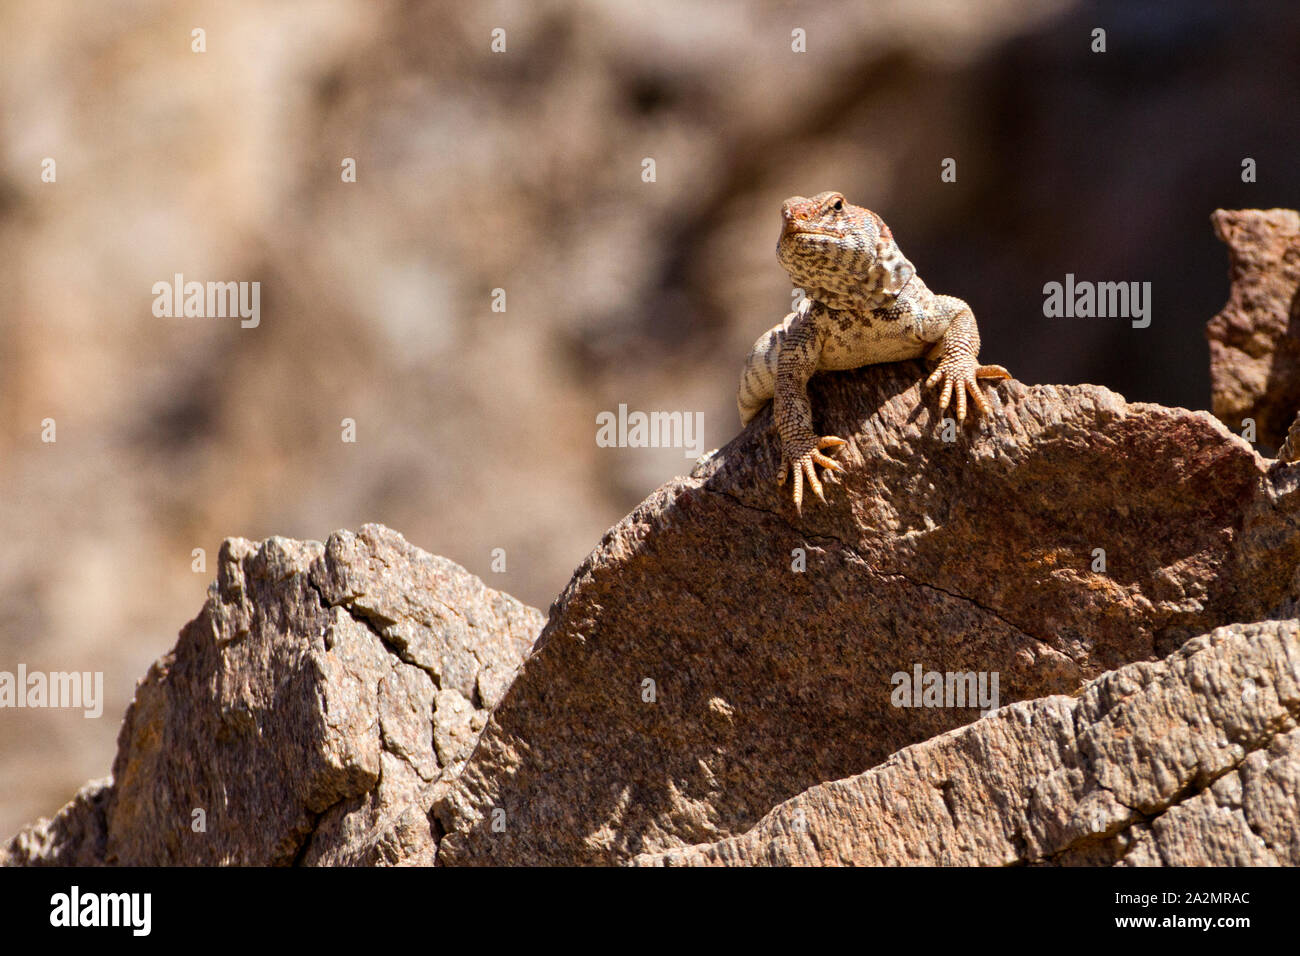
863,304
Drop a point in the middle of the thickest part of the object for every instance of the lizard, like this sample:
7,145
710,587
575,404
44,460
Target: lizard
863,304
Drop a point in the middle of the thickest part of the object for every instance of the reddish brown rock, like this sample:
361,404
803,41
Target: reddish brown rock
296,718
1192,761
718,655
977,555
1255,340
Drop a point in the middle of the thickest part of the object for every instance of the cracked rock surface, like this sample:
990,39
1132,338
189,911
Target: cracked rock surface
1255,339
309,714
721,681
690,678
1190,761
719,654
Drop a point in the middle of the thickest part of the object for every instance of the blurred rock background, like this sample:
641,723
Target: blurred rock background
522,171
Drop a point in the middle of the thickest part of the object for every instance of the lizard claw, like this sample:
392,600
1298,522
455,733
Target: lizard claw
961,375
801,458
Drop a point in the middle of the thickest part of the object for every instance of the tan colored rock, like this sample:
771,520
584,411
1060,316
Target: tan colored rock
718,655
330,696
1191,761
978,555
73,837
299,712
1255,340
181,436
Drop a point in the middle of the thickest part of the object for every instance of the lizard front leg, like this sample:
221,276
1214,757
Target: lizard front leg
800,446
957,352
758,378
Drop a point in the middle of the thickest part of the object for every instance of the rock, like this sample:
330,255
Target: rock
296,718
1191,761
1289,453
74,837
718,656
1255,340
980,555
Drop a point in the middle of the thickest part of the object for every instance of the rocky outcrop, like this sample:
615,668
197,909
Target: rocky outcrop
692,676
309,714
1194,760
719,658
1255,339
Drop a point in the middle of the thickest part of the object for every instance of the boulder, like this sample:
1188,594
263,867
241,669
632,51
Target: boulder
309,714
725,680
1190,761
1255,339
718,653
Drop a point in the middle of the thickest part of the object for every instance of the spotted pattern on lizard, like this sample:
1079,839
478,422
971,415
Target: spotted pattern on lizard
863,304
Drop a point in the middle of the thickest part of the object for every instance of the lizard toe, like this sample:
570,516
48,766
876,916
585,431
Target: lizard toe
814,484
978,398
946,395
830,464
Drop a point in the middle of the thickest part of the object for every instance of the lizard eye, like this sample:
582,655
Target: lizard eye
839,204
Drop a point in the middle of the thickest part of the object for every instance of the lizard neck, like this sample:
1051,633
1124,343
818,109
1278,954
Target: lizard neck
863,298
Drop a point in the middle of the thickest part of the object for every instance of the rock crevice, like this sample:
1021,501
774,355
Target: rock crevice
716,683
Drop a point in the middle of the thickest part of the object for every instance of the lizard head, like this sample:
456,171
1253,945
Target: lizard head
842,255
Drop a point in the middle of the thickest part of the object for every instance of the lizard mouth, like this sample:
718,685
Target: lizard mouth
795,232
